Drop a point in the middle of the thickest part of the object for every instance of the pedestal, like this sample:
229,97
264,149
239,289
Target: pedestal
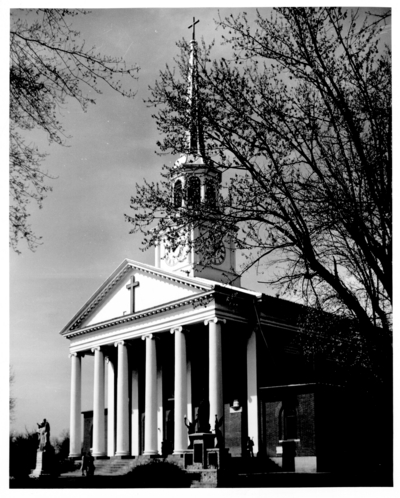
43,465
201,442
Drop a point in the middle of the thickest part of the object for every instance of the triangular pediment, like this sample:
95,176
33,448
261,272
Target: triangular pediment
153,287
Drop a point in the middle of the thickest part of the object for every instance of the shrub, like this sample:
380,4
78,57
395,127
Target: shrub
157,474
23,449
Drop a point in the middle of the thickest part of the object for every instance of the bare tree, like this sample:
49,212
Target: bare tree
300,119
48,64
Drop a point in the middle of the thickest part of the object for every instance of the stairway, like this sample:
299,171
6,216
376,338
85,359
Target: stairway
238,470
109,467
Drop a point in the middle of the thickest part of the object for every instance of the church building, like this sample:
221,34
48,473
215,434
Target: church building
178,342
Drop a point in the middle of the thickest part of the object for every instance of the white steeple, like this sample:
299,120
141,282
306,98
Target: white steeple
194,181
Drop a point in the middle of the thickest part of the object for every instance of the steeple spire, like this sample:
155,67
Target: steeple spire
193,131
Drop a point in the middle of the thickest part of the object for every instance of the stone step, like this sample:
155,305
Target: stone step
107,467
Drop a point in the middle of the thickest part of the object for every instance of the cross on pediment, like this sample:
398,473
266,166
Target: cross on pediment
131,287
193,26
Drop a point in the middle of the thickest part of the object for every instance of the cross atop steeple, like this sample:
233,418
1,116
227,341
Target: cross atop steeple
193,26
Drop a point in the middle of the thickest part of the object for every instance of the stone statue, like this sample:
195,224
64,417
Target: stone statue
191,426
45,452
218,433
203,416
44,435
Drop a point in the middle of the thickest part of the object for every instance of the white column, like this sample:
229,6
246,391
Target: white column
122,400
215,370
99,441
180,390
189,409
75,413
202,190
252,397
150,426
160,418
135,444
110,407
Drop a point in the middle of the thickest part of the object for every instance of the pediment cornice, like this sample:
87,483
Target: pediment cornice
197,299
126,266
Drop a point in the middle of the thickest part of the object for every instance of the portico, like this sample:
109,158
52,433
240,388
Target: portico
131,348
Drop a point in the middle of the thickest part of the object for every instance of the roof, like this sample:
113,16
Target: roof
230,287
270,307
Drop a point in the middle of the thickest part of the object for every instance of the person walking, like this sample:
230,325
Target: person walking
84,465
90,464
250,444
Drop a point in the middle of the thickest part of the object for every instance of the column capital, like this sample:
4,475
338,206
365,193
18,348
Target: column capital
148,336
214,320
76,355
117,343
178,329
96,348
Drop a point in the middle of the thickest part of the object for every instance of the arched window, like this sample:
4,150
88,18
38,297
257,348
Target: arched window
210,193
193,192
290,423
178,194
288,420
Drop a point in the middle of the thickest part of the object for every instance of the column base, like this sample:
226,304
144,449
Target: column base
151,453
75,456
180,452
122,454
97,454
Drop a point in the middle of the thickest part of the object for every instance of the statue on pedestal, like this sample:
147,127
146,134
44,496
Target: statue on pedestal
44,454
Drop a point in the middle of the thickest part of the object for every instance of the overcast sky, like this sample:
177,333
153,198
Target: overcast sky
85,237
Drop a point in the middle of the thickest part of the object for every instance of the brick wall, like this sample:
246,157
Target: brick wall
306,424
272,432
233,431
271,426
